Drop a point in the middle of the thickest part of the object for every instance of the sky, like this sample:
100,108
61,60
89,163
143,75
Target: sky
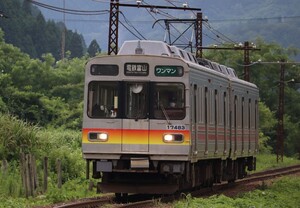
138,23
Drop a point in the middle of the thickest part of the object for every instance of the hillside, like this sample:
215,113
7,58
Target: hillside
26,28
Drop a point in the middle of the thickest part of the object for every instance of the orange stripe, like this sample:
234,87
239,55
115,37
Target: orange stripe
135,136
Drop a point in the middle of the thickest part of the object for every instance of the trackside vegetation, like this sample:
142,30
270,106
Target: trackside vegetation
17,136
283,193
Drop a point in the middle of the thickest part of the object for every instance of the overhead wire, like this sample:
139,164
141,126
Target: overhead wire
161,12
69,11
129,30
128,23
217,33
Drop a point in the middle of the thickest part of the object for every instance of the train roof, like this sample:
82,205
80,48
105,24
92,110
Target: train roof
152,47
145,47
160,48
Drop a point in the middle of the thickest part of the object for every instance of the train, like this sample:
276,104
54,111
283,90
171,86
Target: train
158,120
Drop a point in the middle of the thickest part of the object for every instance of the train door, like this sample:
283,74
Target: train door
194,118
235,124
225,122
135,125
206,116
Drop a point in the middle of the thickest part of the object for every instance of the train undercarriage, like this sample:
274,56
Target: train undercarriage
167,177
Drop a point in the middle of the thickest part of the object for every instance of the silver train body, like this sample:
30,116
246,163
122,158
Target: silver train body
157,120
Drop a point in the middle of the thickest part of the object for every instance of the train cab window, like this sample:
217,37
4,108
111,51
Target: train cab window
102,99
168,101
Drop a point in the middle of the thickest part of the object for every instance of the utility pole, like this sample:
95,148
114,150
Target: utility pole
114,19
280,127
246,61
63,34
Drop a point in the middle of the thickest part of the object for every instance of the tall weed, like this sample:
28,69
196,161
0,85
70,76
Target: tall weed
10,180
16,136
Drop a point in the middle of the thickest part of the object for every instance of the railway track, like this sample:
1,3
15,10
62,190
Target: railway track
203,192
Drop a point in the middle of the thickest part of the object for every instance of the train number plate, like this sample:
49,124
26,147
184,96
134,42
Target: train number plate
175,127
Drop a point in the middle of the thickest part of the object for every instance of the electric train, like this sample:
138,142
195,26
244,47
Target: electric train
157,120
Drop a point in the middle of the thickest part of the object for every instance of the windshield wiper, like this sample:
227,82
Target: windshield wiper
165,113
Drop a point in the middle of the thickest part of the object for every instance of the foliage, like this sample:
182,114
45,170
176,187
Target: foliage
41,92
66,146
11,184
70,190
16,136
283,193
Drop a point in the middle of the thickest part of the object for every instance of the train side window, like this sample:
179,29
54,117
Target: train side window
189,56
182,55
256,114
212,108
224,110
216,108
243,113
235,112
168,101
195,104
249,114
102,99
201,105
206,106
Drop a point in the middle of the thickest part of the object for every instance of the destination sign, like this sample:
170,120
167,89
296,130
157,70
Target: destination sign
104,70
136,69
168,71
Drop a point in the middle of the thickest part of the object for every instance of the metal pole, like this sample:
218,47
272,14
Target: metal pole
246,61
280,128
199,35
113,27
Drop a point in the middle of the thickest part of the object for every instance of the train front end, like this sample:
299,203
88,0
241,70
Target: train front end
136,132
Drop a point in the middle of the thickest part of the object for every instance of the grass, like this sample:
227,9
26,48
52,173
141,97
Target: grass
268,161
71,190
283,193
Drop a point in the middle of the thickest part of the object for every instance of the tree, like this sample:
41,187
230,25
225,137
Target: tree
93,48
74,44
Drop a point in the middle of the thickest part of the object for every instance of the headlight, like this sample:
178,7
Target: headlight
98,136
173,138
